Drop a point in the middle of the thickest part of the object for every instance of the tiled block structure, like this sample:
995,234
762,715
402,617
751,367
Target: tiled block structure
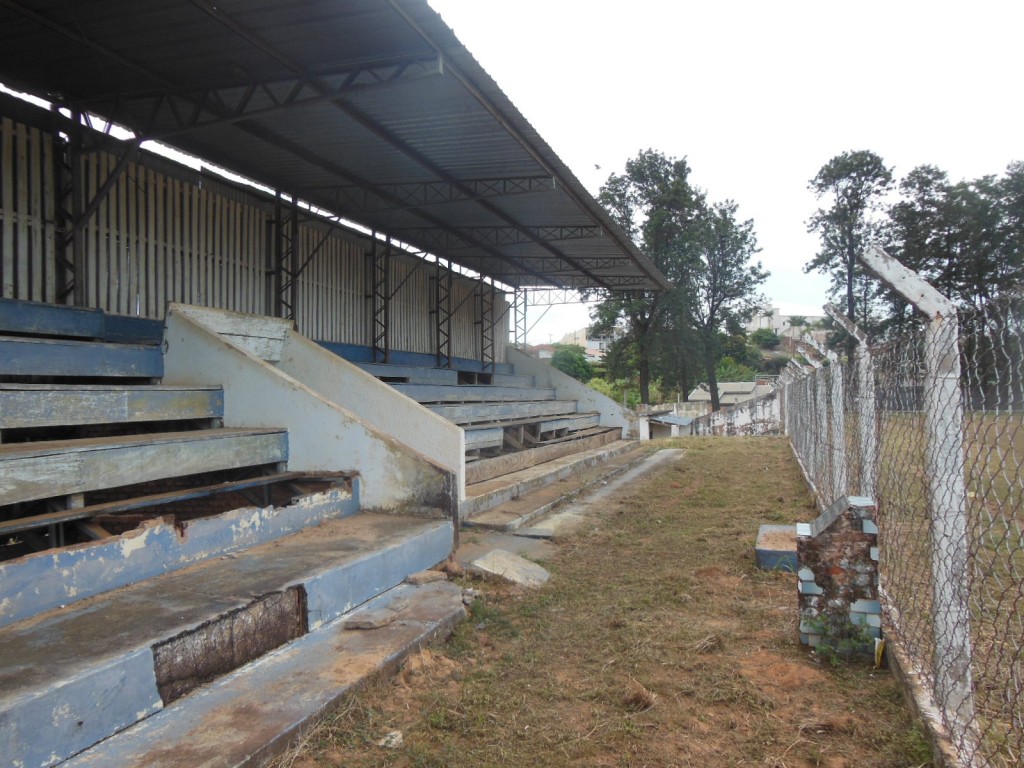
837,582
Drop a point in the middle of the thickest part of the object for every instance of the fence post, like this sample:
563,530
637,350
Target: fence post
819,457
945,469
835,427
865,403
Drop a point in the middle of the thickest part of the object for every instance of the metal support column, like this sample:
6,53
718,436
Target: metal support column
519,318
443,285
70,245
378,294
286,257
485,295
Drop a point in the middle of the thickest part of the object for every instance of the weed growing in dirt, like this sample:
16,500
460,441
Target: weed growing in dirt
656,642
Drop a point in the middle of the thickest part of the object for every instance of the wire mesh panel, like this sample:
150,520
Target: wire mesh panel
932,426
902,498
992,353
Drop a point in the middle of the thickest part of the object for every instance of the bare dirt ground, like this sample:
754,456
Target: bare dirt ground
656,643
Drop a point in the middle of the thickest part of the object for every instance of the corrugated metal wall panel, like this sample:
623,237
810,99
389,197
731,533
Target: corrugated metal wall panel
26,213
160,236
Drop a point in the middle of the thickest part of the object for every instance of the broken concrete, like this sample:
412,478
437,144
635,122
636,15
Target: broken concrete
504,566
425,577
245,717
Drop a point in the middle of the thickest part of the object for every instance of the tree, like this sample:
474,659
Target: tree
571,359
797,321
765,338
730,370
723,281
854,184
656,206
967,238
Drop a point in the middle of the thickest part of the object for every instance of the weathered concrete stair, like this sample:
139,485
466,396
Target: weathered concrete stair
74,676
247,716
574,468
39,470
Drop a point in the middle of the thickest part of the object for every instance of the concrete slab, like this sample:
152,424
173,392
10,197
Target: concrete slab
43,581
500,565
569,518
52,665
243,718
546,486
473,544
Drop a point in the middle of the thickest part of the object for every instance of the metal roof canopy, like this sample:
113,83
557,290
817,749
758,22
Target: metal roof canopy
370,109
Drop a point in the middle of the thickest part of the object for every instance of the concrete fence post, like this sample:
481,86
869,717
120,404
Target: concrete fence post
944,453
837,407
866,426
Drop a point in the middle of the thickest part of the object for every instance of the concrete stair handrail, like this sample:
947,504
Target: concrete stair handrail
338,416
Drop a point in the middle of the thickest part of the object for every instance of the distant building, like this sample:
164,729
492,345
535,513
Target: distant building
773,319
731,392
594,347
541,351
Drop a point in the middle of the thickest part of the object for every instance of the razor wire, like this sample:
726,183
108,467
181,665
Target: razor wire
931,425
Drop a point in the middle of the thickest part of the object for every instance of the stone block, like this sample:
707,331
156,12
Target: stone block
809,588
505,566
866,606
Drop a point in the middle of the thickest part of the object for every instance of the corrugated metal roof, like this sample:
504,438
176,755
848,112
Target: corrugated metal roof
371,109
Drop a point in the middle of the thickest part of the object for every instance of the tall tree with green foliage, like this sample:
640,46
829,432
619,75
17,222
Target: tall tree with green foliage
572,359
966,238
854,185
703,251
723,281
654,202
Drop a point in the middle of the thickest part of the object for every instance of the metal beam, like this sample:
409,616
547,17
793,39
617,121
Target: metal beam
371,125
520,299
286,257
190,110
242,122
470,237
443,289
485,293
419,194
378,295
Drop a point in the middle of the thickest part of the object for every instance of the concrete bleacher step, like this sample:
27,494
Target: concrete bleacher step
512,380
411,374
573,468
472,393
470,413
493,435
47,405
249,715
44,469
535,505
74,676
63,358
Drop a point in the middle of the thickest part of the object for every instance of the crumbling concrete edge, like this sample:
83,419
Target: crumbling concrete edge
441,629
916,694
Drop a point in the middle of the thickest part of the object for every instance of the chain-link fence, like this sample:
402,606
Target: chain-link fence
930,426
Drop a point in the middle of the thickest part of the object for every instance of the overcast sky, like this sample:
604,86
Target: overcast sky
758,96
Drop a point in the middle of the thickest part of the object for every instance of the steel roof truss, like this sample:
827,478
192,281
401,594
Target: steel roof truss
416,194
448,240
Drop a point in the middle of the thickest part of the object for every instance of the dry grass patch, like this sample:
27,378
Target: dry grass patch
656,643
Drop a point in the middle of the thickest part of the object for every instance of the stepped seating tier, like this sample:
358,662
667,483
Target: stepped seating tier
474,413
48,405
473,393
45,469
74,676
66,358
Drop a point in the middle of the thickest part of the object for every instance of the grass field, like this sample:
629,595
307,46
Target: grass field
656,643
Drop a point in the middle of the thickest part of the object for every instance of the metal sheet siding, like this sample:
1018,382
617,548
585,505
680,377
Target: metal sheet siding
26,213
159,237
